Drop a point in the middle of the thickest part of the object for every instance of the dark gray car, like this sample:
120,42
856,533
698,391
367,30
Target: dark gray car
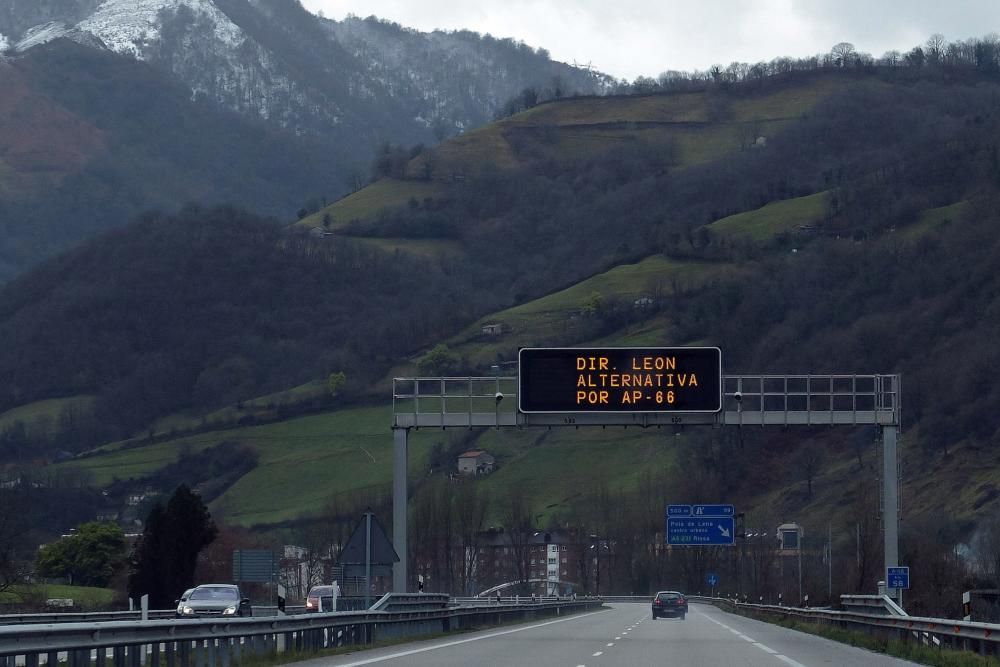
214,600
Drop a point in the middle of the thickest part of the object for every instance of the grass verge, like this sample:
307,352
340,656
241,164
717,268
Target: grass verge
924,655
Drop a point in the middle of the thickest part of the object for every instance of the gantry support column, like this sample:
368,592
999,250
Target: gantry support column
399,456
890,501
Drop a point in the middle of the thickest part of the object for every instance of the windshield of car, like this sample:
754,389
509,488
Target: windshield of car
321,590
667,596
214,593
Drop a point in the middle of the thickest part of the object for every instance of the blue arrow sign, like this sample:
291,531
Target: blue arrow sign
712,579
701,530
897,577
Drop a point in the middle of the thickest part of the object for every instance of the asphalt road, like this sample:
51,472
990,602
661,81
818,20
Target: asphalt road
624,634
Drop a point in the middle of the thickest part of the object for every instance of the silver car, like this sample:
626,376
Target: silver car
214,600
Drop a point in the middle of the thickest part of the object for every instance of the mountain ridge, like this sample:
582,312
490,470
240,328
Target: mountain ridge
234,51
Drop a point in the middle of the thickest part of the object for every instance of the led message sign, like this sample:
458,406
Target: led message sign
618,379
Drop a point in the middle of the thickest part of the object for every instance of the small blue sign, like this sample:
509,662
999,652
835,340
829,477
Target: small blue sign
678,510
713,510
712,579
897,577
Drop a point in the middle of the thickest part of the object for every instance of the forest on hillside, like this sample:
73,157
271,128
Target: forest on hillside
149,339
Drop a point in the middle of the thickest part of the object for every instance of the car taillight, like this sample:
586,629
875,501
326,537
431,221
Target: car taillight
656,602
310,604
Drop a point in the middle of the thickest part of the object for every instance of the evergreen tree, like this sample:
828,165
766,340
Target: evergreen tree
164,559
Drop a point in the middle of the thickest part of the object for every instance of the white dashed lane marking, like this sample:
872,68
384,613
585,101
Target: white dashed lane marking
762,647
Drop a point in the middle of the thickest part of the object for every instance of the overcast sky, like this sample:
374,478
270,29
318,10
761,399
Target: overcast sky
628,38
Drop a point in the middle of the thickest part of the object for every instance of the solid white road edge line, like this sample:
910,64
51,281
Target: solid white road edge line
766,649
424,649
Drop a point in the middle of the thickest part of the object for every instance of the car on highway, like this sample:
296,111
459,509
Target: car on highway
670,603
214,600
320,598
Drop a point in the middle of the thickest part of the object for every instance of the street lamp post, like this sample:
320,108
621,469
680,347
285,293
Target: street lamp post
596,546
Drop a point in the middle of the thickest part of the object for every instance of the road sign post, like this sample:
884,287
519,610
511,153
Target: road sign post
713,580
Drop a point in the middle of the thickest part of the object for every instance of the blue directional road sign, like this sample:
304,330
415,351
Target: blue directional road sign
897,577
712,579
706,525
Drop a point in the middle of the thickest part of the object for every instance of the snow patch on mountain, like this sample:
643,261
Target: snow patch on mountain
41,34
131,26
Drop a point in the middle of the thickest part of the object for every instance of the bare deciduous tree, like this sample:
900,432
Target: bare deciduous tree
472,509
843,54
809,460
935,47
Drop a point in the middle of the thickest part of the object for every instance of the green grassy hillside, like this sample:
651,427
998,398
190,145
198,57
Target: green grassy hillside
303,464
380,195
556,316
701,126
934,218
87,597
788,216
44,414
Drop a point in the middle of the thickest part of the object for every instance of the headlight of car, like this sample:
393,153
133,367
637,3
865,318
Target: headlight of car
186,610
230,610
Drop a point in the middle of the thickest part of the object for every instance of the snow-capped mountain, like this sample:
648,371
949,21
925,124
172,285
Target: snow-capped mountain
366,80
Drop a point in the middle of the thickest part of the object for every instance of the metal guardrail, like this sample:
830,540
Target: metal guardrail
874,604
514,600
221,642
82,617
983,638
412,602
106,616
